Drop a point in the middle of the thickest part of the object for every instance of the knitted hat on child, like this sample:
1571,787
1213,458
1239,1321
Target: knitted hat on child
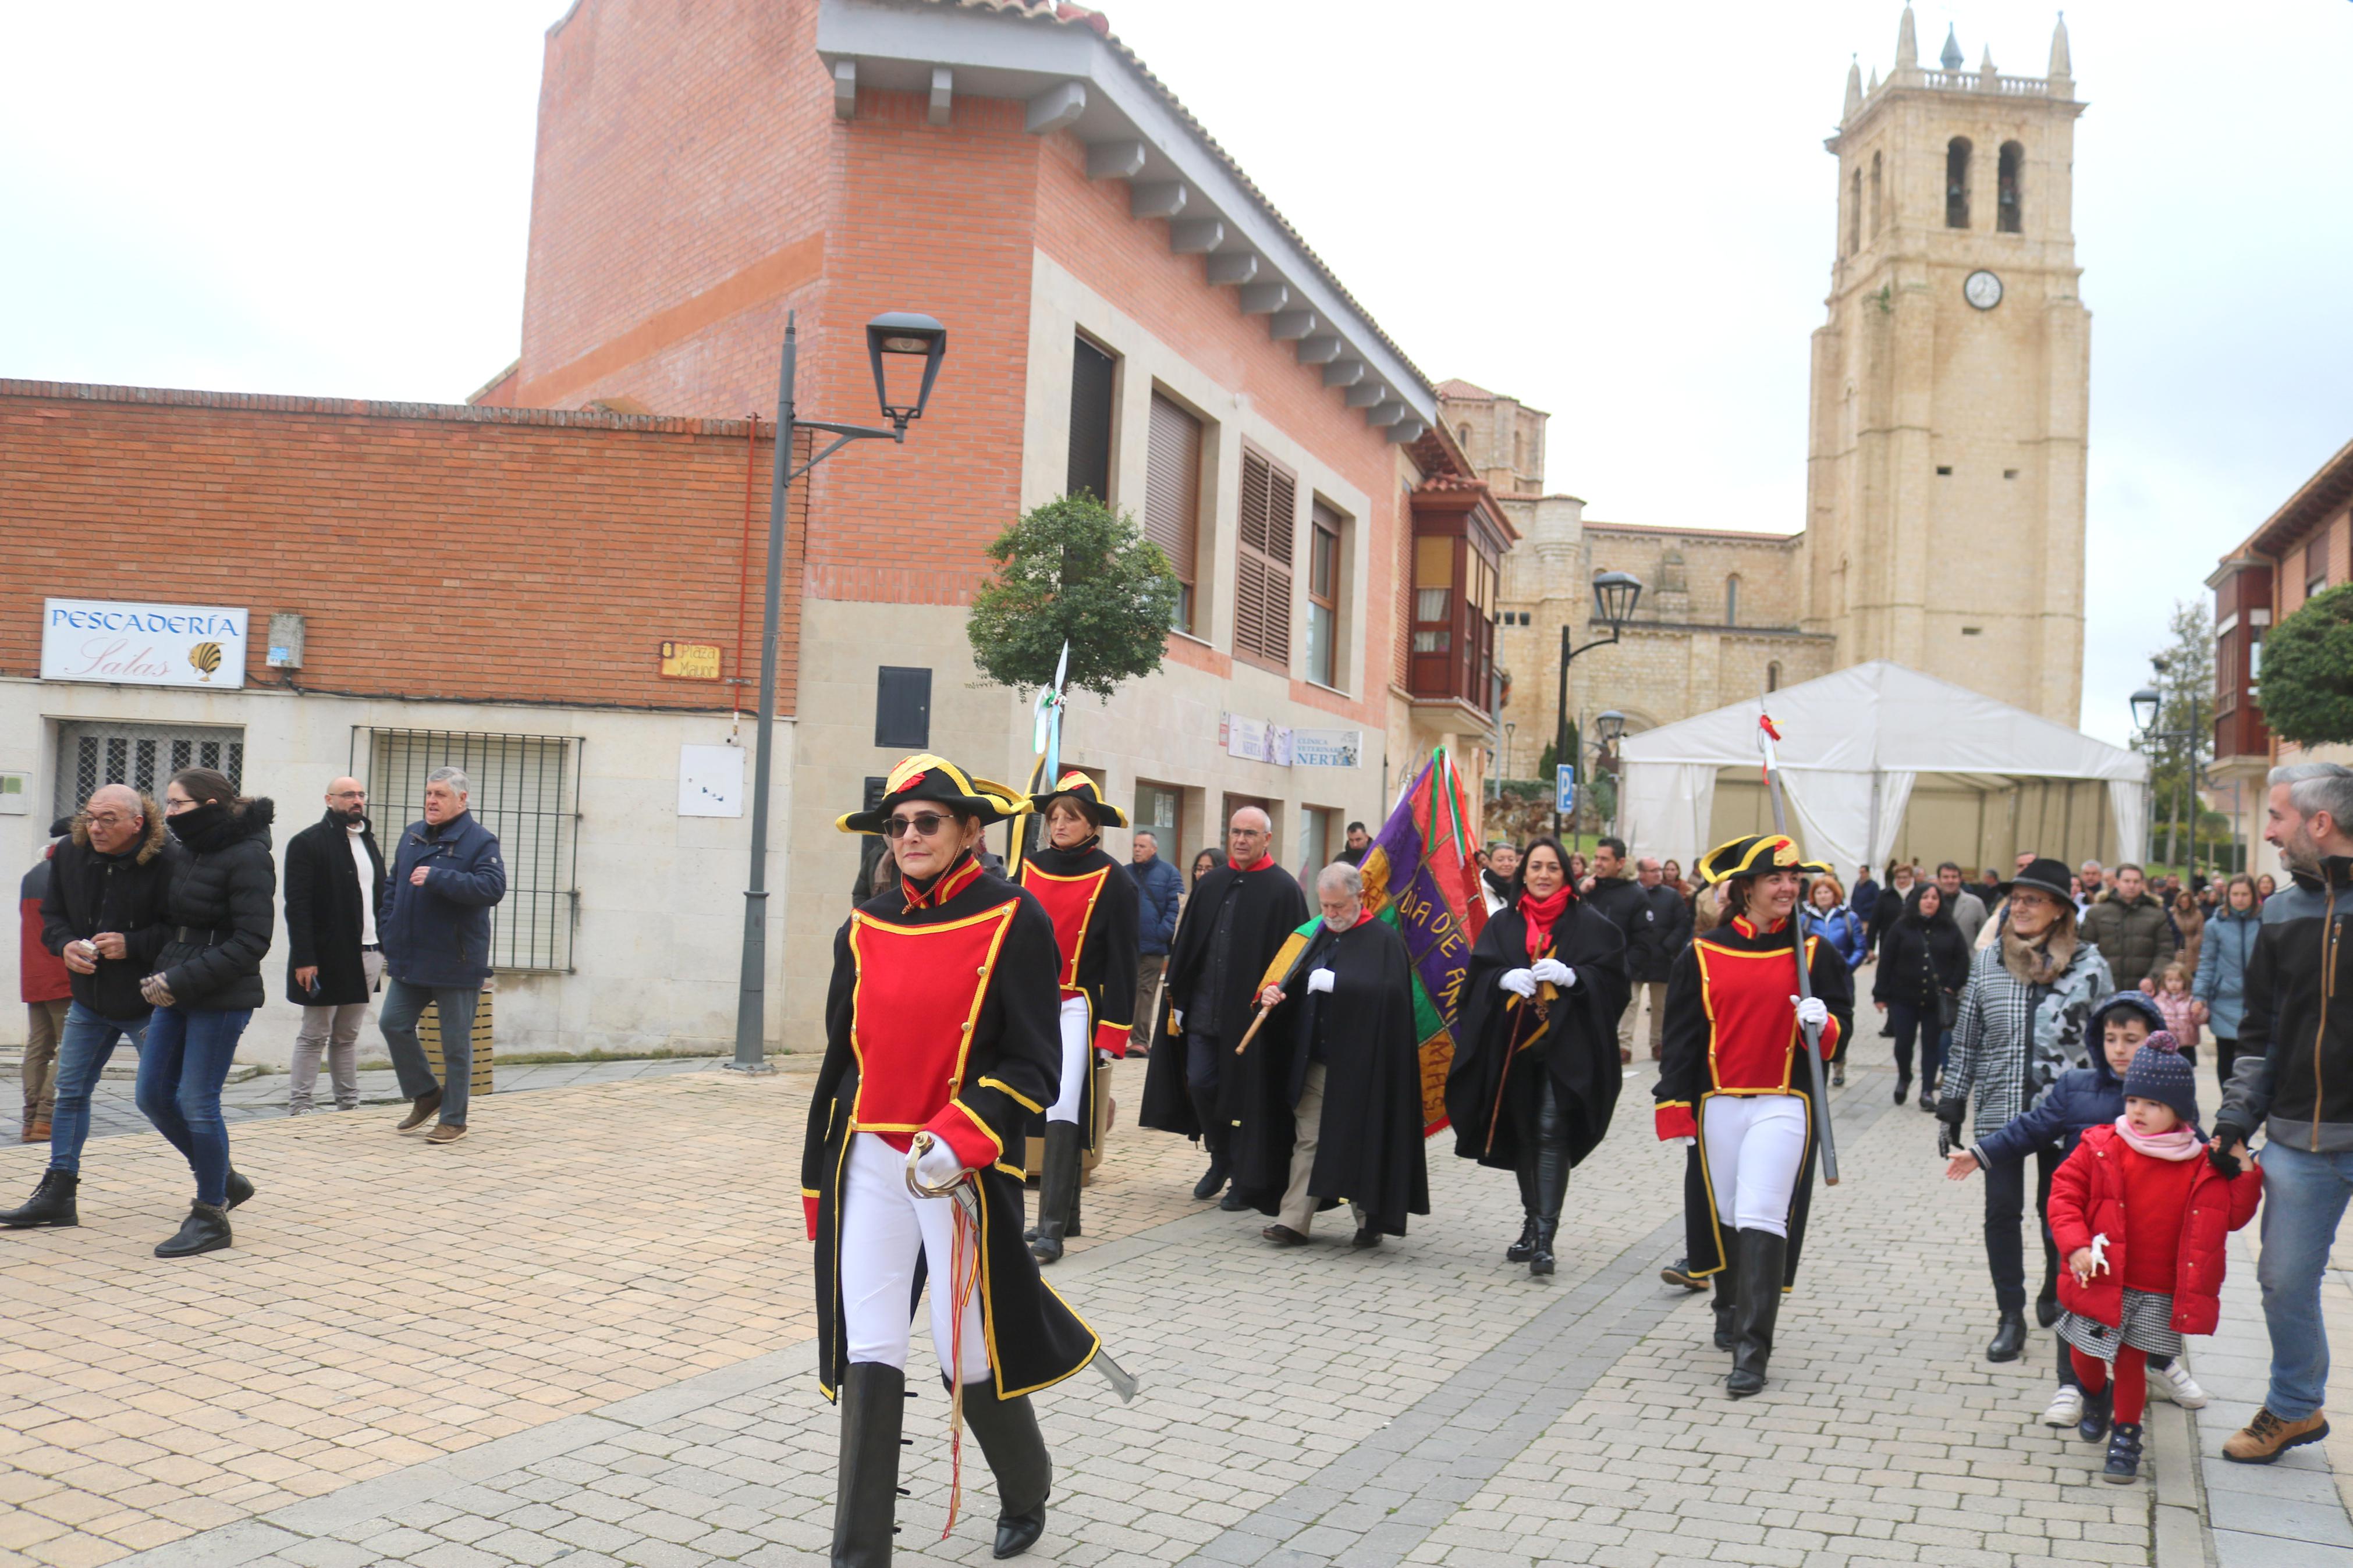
2160,1073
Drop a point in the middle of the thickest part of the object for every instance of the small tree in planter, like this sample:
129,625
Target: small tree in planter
2306,688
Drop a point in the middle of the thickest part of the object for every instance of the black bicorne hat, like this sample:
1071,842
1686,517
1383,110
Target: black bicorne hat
927,777
1754,854
1082,791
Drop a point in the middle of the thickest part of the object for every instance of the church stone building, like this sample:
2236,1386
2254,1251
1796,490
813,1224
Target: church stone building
1945,462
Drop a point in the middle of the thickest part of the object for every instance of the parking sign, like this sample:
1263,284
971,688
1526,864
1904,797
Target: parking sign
1565,788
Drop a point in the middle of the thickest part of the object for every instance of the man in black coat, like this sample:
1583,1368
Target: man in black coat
1237,919
1616,898
1659,929
334,891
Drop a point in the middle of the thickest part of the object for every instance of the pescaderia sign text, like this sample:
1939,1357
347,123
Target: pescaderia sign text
142,644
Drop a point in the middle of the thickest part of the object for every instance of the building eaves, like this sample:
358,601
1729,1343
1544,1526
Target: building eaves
2330,487
1737,535
863,33
368,408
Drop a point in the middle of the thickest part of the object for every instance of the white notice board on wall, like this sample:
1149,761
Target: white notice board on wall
711,780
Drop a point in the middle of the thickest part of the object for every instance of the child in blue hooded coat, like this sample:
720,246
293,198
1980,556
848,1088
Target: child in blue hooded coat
2078,1099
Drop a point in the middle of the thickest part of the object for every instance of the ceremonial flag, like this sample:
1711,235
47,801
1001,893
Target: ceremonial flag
1420,879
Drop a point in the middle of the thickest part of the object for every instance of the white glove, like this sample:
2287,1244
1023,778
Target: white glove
1319,980
1553,970
1812,1013
1519,981
938,1165
1687,1143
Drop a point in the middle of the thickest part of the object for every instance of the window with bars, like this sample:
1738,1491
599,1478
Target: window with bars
1172,496
525,789
1265,537
143,756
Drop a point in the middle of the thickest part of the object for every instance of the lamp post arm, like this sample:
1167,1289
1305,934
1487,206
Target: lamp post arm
845,435
1588,647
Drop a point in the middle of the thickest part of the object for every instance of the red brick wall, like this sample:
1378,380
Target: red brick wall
483,554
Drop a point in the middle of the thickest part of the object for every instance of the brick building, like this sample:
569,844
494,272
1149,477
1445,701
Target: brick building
2304,547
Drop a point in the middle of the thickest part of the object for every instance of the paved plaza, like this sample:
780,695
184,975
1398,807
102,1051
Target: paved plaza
583,1336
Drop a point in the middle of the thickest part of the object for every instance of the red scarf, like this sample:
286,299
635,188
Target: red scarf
1541,914
1260,864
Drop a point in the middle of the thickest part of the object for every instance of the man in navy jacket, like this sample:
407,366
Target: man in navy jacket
1159,891
446,877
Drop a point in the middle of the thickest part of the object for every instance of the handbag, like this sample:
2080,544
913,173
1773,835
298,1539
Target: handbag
1948,1008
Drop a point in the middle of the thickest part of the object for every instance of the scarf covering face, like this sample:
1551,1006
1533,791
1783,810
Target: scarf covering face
1541,914
2181,1143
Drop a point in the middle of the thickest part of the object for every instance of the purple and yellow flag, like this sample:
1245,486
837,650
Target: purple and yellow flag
1420,879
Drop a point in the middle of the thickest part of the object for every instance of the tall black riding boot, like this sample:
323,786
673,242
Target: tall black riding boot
1213,1141
1525,1170
1016,1450
866,1491
1058,1190
1758,1257
1551,1173
1726,1297
52,1203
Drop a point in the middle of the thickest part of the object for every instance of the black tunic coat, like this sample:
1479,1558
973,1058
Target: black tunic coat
1369,1143
322,911
1267,906
1497,1044
1010,1070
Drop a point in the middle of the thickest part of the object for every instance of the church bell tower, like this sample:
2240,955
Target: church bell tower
1945,470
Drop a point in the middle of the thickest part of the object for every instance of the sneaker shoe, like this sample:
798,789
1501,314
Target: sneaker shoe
1677,1273
2175,1383
2066,1407
420,1111
444,1133
2123,1467
2267,1438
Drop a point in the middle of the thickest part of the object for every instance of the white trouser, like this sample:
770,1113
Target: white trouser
1754,1143
884,1228
1075,1061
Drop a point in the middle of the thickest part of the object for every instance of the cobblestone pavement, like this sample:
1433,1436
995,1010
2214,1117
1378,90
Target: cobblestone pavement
583,1337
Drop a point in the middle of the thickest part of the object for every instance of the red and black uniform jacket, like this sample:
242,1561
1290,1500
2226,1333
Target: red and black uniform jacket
1094,905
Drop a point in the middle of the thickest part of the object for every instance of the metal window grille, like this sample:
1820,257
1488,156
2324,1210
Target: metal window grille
526,789
143,756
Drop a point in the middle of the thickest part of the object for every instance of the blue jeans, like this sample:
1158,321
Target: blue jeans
454,1005
180,1070
2304,1197
82,1052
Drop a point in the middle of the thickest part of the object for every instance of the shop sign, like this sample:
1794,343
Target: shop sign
1327,748
142,644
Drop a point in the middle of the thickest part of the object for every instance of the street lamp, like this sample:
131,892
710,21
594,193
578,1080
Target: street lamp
897,336
1610,725
2144,704
2147,704
1615,595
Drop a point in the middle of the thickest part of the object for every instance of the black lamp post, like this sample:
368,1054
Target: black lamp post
1615,595
893,337
2147,705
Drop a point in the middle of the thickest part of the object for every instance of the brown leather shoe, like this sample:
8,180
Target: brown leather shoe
2267,1438
420,1111
444,1133
1283,1236
41,1131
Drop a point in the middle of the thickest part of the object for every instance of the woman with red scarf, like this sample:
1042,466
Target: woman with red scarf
1535,1071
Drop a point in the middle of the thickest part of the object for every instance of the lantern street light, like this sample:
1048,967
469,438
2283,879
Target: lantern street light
1615,595
2144,704
2147,705
1610,725
896,336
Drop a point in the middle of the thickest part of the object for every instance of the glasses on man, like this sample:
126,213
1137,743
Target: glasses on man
349,795
922,824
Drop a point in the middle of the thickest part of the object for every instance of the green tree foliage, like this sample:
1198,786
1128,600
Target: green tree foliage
2307,671
2185,681
1074,570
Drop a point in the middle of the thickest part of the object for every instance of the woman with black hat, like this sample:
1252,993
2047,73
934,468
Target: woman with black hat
2021,1024
1535,1071
941,1041
1094,906
1733,1081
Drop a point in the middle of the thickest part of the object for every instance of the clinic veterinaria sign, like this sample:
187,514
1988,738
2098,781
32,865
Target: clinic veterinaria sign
141,643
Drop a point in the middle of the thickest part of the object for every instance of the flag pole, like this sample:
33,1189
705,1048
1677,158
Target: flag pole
1766,736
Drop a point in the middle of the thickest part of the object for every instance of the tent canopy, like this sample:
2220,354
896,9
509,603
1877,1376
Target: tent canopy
1853,744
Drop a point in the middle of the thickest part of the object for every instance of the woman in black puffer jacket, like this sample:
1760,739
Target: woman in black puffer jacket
1924,962
206,984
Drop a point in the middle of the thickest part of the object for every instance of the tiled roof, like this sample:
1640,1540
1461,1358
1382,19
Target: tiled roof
1460,391
1058,13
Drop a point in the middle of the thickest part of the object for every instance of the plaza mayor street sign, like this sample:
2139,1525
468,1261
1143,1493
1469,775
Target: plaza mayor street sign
142,644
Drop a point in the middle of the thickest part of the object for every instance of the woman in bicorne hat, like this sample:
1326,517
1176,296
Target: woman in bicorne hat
1733,1079
941,1041
1094,905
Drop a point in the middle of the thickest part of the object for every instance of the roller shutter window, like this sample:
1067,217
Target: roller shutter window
1172,496
1091,378
1266,534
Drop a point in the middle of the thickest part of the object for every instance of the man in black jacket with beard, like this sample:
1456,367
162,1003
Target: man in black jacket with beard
1616,898
334,891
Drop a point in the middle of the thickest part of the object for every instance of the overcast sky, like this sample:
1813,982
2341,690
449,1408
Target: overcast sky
1621,213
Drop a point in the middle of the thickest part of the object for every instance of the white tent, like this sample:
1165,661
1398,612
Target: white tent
1854,744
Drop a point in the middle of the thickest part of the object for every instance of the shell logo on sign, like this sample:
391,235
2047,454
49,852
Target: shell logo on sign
204,659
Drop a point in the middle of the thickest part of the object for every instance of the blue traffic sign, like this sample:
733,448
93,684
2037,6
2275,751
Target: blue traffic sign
1565,788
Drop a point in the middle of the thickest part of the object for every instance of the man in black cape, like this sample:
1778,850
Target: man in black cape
1344,1027
1237,920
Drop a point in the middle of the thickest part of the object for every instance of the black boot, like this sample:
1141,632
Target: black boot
1551,1174
2124,1454
1520,1250
205,1230
1523,1249
52,1203
2008,1336
1078,1199
1903,1086
1726,1296
1213,1139
2098,1407
239,1189
1058,1190
1016,1450
2046,1305
1758,1260
866,1489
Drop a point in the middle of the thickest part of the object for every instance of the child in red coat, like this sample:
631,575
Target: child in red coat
2143,1220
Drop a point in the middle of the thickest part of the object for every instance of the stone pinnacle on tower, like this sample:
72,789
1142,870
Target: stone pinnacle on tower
1907,44
2062,67
1952,59
1853,93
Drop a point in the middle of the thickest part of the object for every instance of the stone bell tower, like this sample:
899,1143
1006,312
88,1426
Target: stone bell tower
1945,473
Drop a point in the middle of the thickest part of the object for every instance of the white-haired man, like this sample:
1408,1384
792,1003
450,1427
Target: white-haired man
446,878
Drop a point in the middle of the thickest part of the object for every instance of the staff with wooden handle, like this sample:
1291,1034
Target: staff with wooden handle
1766,736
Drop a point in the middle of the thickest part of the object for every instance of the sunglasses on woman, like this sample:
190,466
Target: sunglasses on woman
922,824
